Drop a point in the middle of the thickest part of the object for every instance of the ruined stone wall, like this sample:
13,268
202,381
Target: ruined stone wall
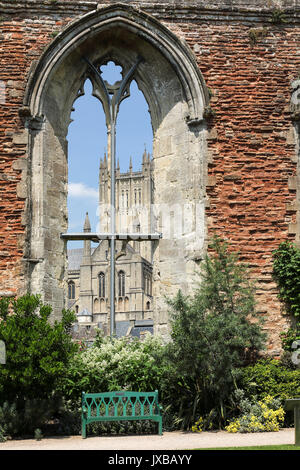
249,56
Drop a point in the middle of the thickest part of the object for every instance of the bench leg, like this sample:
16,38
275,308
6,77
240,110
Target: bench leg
83,428
160,427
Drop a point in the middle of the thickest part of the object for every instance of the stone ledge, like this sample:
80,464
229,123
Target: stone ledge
291,8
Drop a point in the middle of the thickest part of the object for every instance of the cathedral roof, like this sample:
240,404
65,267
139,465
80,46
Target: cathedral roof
84,312
75,257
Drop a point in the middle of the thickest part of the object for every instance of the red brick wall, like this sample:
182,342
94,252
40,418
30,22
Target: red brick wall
252,198
251,148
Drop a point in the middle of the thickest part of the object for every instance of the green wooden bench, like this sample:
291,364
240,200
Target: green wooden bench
120,406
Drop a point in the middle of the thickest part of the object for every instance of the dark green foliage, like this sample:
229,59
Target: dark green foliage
22,418
257,34
4,307
270,377
37,357
278,16
37,352
286,271
288,338
38,435
209,112
212,336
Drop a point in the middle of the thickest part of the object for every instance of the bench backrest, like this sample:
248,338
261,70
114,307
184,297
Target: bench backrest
121,403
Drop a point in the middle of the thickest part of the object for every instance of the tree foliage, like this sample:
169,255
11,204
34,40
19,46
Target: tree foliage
213,332
37,352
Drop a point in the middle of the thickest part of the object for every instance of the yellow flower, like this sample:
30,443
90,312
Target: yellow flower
198,426
233,426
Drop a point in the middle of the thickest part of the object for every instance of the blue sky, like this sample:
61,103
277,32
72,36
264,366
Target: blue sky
87,138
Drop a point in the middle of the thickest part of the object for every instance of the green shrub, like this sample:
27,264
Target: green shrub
288,338
38,435
278,16
270,377
3,436
23,417
9,419
69,421
37,357
37,352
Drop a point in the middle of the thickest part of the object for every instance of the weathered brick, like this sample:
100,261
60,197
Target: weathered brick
252,171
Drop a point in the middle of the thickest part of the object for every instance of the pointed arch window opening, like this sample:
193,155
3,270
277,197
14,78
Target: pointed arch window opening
101,279
71,290
121,279
111,97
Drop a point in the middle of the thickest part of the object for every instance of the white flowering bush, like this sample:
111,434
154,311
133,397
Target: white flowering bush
116,364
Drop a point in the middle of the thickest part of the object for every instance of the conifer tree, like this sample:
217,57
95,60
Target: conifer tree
213,331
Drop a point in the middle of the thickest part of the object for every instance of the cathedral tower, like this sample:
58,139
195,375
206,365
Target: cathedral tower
133,201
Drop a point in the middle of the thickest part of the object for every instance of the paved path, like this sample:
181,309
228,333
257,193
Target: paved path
168,441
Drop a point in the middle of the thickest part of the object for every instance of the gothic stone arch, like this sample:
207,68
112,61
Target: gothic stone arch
176,95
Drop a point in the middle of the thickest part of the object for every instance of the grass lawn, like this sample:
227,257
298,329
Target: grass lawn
277,447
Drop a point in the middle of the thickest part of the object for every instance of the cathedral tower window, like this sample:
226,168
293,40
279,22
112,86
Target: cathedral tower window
71,290
147,282
101,278
121,278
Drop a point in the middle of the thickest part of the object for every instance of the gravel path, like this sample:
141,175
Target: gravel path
168,441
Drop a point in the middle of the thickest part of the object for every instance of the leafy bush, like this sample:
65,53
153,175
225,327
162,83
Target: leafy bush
212,336
37,356
114,364
270,377
38,435
3,436
288,338
257,416
68,421
24,417
37,352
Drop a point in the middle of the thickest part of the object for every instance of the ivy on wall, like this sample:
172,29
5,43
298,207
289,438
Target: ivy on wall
286,272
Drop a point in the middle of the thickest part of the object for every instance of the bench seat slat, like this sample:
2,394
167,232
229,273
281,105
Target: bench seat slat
121,418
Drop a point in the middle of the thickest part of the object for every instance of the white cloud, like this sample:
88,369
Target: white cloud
83,191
